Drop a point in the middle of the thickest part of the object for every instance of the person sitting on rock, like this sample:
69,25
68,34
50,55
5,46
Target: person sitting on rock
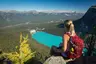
72,44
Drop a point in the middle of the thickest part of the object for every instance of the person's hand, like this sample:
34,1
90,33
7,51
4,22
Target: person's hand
70,60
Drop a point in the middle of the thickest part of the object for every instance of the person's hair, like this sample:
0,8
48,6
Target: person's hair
68,24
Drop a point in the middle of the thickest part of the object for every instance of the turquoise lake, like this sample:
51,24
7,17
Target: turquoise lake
47,39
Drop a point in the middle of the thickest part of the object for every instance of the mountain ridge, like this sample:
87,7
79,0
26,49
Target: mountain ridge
88,21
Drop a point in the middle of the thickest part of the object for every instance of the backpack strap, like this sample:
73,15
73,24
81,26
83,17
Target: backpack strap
70,40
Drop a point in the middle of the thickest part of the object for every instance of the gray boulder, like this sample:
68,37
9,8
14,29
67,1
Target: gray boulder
55,60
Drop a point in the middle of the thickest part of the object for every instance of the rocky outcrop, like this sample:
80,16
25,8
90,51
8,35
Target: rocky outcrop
55,60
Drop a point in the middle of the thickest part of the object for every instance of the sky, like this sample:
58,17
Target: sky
39,5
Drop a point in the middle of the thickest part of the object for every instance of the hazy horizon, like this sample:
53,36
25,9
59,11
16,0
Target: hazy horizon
45,11
47,5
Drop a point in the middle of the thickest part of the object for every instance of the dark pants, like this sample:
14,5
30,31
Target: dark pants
57,51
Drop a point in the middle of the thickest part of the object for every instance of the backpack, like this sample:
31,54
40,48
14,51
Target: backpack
76,45
55,60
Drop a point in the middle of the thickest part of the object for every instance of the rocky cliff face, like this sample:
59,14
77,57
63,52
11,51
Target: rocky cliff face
87,22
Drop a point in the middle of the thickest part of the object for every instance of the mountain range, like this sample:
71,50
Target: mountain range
12,17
